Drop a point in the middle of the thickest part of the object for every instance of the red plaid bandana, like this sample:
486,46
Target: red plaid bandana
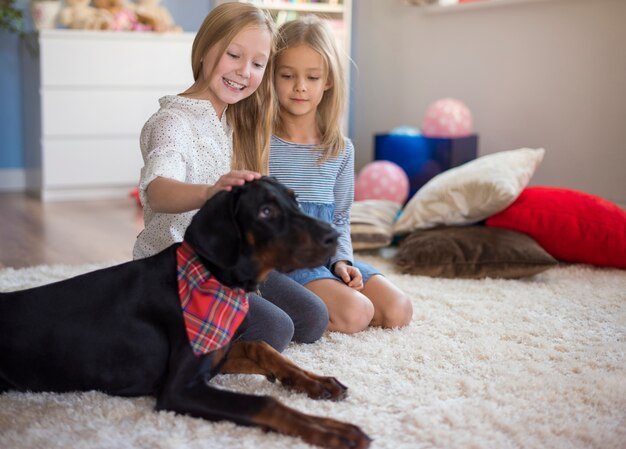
212,312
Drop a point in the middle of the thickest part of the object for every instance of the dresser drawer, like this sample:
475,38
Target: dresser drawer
91,162
94,58
99,112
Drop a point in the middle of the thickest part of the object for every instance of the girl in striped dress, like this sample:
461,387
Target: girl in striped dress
310,155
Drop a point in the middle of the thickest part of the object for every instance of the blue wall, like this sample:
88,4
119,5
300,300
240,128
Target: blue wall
188,14
10,106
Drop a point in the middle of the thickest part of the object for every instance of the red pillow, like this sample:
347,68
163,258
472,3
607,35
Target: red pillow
572,226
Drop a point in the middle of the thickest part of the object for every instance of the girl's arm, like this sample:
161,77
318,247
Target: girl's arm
344,196
169,196
165,143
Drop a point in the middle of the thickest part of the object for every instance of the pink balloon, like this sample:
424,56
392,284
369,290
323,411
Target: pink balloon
447,118
382,180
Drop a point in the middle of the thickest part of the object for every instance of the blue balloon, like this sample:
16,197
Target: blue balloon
405,131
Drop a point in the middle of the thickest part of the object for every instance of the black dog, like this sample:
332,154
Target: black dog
122,330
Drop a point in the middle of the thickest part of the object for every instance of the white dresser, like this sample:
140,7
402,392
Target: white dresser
86,96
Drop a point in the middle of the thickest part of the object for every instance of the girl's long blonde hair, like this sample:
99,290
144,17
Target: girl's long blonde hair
251,118
317,34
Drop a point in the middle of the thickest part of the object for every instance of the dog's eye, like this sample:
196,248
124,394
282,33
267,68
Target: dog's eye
268,211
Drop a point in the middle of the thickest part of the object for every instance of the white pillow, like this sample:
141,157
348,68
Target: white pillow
470,192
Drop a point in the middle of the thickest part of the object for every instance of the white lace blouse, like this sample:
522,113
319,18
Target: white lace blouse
184,140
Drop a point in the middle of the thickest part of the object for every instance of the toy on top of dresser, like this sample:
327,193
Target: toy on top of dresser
123,15
117,15
153,14
79,15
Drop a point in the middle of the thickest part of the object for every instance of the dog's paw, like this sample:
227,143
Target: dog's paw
328,388
317,430
333,434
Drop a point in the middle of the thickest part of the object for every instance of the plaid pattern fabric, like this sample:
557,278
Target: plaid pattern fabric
212,312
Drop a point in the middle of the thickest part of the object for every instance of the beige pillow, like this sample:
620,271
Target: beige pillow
470,192
371,223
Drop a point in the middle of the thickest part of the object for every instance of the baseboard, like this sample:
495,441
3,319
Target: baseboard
83,194
12,180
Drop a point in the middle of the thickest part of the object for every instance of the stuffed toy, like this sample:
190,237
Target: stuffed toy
152,14
78,15
122,12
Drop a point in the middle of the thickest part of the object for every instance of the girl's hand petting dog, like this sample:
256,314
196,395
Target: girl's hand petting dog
234,178
349,274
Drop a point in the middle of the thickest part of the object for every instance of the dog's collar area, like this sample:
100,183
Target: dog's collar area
212,312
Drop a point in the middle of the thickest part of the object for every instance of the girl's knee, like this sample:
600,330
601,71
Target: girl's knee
355,316
267,322
312,328
393,306
398,313
281,333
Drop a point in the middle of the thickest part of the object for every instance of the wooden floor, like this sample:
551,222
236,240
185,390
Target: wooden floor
36,233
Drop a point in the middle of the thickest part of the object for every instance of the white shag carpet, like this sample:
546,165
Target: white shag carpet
534,363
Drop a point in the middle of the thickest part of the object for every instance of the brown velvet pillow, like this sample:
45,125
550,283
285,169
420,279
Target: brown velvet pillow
471,252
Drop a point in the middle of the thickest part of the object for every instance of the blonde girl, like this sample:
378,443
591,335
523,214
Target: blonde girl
310,154
214,136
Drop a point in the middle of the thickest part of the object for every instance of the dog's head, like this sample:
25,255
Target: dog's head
243,234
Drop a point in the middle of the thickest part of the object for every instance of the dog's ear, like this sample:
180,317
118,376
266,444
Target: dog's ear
213,232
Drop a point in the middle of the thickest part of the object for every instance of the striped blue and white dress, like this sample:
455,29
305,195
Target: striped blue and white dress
325,191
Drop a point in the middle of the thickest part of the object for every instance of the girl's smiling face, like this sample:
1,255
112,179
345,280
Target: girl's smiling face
301,80
239,71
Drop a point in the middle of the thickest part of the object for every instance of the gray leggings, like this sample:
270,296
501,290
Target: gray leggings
286,311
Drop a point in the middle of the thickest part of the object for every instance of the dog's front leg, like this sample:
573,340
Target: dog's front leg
325,432
257,357
187,392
